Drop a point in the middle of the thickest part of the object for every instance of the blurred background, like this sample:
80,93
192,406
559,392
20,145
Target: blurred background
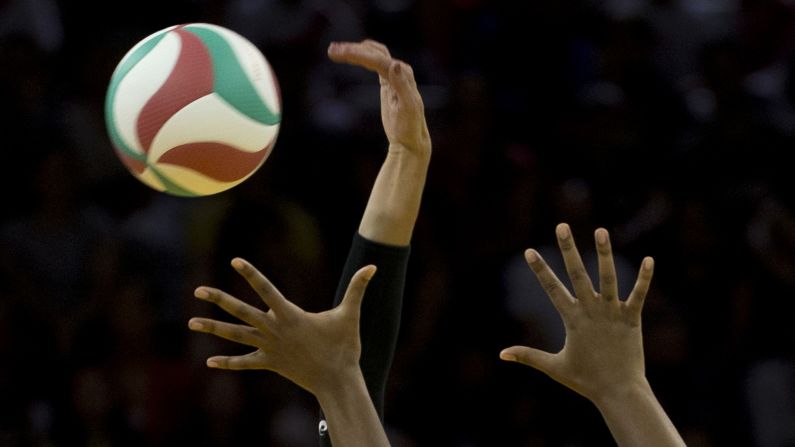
669,122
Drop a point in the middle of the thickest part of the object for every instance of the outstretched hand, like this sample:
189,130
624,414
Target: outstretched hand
604,348
402,110
317,351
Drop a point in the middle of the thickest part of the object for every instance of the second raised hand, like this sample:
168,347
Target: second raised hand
314,350
604,347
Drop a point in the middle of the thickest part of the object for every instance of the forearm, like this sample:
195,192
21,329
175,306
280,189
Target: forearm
395,199
351,417
636,418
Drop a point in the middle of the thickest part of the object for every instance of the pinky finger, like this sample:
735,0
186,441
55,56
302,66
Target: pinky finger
254,360
638,295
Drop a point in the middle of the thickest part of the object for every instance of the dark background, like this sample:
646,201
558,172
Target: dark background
669,123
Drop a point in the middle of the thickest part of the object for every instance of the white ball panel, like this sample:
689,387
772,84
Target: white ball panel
140,84
211,119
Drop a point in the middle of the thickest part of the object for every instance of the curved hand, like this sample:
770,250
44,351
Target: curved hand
402,110
602,358
317,351
395,199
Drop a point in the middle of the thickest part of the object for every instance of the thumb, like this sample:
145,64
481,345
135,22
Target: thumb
355,293
531,357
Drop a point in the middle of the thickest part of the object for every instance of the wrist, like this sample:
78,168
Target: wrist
420,151
341,383
621,393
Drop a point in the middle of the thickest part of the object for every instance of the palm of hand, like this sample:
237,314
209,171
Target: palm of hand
306,346
403,116
603,348
311,349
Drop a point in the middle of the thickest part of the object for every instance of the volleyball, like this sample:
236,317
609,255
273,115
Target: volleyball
193,109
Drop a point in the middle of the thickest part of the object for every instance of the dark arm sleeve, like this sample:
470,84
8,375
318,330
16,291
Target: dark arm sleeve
380,317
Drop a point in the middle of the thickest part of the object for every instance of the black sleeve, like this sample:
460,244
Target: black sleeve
380,317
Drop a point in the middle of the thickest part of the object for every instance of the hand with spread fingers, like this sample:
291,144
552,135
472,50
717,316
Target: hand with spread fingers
307,348
602,358
317,351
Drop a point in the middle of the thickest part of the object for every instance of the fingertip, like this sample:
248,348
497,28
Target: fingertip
201,293
334,48
601,236
563,231
648,264
213,363
531,256
507,356
195,325
371,269
238,264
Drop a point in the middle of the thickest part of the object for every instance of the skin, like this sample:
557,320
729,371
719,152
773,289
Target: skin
394,202
320,352
317,351
602,358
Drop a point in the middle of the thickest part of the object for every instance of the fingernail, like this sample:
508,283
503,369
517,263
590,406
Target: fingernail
371,273
563,231
508,357
531,255
195,325
201,293
212,363
237,264
648,263
601,236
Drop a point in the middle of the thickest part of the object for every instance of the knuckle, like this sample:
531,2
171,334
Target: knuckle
551,287
241,310
213,295
262,289
578,274
235,334
566,244
538,265
608,280
209,327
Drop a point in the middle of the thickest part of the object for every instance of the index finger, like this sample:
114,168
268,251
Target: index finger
267,291
555,289
361,54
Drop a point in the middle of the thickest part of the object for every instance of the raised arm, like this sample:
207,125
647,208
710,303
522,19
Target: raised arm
385,230
319,352
602,358
395,198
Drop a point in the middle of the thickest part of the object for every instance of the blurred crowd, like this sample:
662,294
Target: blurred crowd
667,122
